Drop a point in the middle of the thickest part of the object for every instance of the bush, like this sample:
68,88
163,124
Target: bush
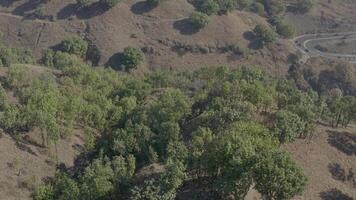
199,20
275,7
48,58
22,55
132,57
109,3
242,4
226,5
258,8
304,6
75,45
154,3
62,60
264,34
84,3
40,12
5,57
285,30
44,192
209,7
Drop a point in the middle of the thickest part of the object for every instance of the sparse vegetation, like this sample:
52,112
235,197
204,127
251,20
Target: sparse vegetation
109,3
84,3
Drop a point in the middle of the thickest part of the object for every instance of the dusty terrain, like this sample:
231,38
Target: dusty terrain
326,16
163,33
329,160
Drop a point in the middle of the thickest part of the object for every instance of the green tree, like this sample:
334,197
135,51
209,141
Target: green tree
258,8
209,7
305,6
288,126
276,176
264,34
132,57
97,180
75,45
44,192
199,20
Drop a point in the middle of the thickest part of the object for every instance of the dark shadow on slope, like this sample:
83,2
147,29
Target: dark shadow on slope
253,42
115,61
337,172
68,11
185,27
30,5
141,7
343,141
334,194
95,9
24,147
6,3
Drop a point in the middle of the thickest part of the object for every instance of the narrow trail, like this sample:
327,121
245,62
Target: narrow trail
5,14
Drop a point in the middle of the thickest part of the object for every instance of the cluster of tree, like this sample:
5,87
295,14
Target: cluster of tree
9,55
199,125
72,51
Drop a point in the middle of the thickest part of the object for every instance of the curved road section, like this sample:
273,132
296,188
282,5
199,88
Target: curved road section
308,45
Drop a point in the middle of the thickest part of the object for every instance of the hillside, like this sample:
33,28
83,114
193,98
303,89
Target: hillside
162,31
177,99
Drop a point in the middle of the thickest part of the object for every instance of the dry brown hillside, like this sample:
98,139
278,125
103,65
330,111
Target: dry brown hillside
163,33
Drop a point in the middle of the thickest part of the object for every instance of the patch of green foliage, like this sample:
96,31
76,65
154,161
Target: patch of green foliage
199,20
74,45
264,34
132,57
200,125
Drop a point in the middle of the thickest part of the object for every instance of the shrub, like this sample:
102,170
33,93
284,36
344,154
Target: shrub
199,20
226,5
44,192
109,3
62,60
22,55
264,34
75,45
258,8
5,56
154,3
209,7
48,58
40,12
304,5
285,30
274,7
84,3
132,57
242,4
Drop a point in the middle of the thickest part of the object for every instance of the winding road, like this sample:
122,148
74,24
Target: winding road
308,45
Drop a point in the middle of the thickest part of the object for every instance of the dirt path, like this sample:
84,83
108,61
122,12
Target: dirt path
23,18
